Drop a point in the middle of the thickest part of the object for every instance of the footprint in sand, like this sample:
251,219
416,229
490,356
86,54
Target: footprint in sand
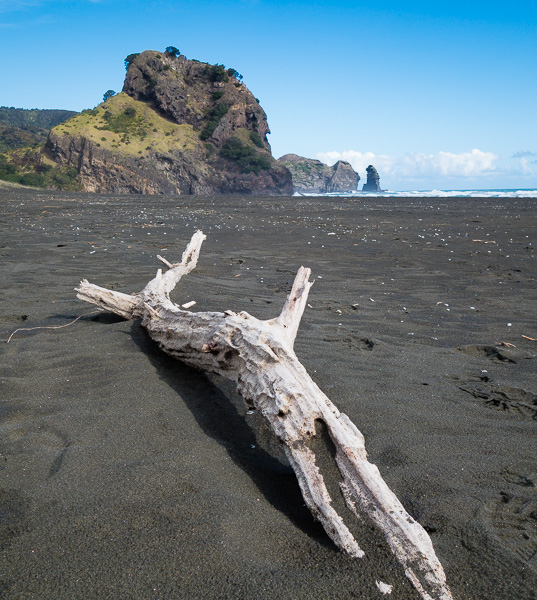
503,397
353,342
513,516
31,443
491,352
503,532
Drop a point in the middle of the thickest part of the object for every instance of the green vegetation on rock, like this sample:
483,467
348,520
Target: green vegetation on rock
108,94
65,179
130,59
12,138
8,172
124,122
172,51
232,73
213,119
42,174
245,156
21,127
216,73
256,139
33,179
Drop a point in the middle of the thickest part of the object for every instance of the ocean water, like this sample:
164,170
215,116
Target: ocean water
505,193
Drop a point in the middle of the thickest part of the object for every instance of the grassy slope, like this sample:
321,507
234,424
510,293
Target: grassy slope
137,136
8,185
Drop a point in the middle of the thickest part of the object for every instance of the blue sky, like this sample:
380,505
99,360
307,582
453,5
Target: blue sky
437,95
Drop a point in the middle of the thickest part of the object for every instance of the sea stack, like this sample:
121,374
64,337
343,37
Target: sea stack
373,180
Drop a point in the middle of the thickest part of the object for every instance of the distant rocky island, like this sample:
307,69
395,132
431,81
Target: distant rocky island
179,126
314,177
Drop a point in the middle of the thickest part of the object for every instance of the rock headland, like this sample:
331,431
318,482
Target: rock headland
313,176
179,126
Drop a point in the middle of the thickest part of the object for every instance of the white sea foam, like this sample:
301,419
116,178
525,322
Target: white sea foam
505,193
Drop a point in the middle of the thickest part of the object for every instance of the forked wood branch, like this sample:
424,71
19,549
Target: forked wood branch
259,357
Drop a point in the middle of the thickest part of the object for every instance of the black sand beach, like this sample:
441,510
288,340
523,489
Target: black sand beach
124,474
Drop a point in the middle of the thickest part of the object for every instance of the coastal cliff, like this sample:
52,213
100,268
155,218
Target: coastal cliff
313,176
178,127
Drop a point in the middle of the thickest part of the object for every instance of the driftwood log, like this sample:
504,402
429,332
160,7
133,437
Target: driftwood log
259,357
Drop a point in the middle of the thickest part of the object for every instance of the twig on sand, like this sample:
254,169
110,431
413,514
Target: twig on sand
506,344
93,312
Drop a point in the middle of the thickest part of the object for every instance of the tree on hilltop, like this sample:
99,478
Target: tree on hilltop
130,59
172,51
233,73
108,94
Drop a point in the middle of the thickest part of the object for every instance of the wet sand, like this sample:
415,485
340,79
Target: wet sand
124,474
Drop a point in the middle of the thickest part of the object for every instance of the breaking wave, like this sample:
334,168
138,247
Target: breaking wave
500,193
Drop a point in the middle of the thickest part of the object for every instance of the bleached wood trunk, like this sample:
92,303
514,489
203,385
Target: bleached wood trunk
259,357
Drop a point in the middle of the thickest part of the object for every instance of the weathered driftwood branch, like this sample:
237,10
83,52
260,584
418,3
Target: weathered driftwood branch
259,357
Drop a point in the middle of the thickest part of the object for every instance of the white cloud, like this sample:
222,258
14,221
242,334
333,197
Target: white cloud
447,164
359,160
524,167
524,161
475,163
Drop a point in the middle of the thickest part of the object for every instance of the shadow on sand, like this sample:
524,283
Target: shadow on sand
216,413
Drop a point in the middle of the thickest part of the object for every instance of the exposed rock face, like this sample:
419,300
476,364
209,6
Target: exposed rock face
186,91
160,173
373,180
344,178
179,127
313,176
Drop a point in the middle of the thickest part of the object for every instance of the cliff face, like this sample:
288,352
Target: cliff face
313,176
178,127
187,91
